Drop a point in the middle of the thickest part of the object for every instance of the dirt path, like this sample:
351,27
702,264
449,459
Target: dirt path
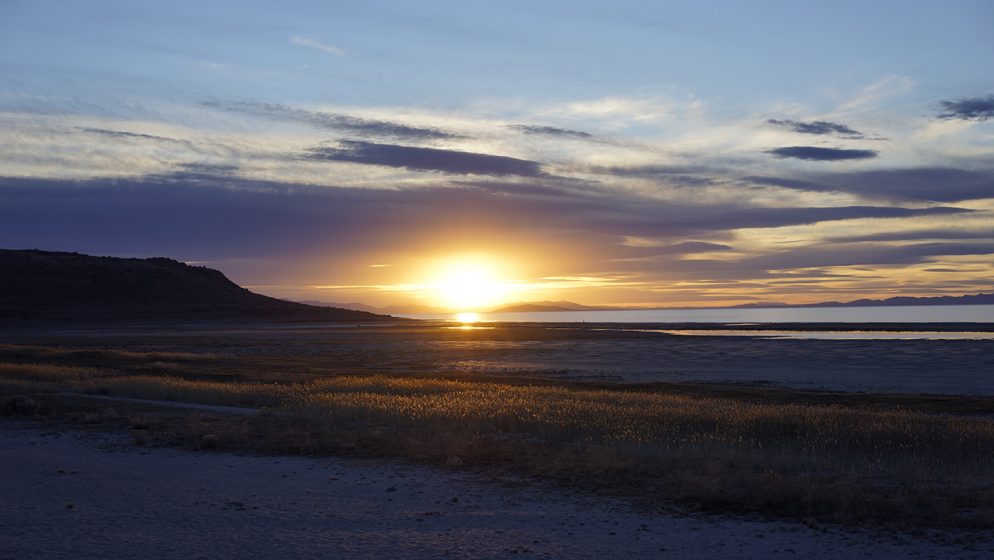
82,495
171,404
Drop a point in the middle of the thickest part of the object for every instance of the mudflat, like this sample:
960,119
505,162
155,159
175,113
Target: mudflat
599,353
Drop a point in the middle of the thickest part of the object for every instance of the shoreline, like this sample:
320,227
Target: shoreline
8,326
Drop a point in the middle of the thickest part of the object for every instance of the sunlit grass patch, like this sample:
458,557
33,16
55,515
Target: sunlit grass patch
842,463
656,422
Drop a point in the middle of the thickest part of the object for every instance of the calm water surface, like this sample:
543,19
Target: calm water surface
837,335
907,314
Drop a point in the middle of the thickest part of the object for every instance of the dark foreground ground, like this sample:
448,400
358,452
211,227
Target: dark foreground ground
82,495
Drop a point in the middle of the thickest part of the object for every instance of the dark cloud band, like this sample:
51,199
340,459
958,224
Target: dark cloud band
813,153
818,127
935,184
969,109
427,159
232,215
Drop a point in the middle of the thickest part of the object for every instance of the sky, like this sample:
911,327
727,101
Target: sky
468,153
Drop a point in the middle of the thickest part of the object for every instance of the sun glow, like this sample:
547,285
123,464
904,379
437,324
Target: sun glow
466,318
470,284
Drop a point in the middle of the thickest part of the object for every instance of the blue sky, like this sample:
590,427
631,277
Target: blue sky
448,54
679,152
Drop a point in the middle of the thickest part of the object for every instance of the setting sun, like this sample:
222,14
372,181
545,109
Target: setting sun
468,284
467,317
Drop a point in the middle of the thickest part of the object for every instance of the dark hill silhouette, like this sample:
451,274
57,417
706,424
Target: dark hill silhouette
55,286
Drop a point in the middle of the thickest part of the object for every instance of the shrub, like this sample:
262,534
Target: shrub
19,405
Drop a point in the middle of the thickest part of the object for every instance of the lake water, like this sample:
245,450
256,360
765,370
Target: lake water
904,314
835,335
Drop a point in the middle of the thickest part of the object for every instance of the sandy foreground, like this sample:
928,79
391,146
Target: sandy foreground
88,495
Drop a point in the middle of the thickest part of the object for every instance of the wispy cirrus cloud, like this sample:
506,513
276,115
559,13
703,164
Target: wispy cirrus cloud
845,255
888,86
310,43
125,134
332,121
618,111
943,234
549,131
798,263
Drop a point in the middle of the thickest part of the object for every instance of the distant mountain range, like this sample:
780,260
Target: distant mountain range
61,287
550,306
543,306
977,299
532,307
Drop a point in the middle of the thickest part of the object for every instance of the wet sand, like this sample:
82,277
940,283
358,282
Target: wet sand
86,495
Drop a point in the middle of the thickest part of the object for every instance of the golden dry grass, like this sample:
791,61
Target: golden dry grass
643,418
719,454
633,419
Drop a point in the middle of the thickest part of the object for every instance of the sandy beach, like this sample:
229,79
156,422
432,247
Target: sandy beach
81,495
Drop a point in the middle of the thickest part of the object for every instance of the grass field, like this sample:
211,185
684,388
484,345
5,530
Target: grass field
910,461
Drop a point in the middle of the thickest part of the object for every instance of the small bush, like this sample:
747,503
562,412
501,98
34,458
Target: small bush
209,441
19,405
